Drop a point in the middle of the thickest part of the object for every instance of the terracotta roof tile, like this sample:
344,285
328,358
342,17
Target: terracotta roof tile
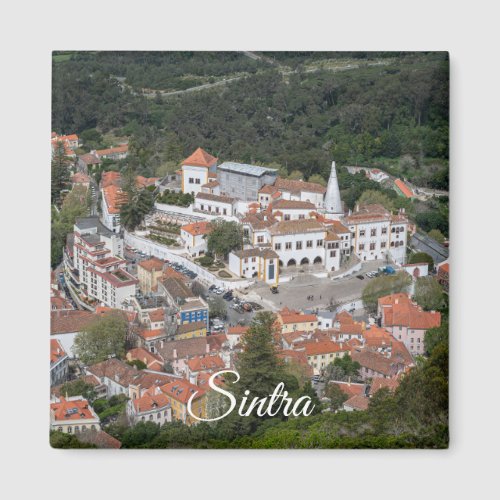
197,228
152,264
200,158
294,186
215,197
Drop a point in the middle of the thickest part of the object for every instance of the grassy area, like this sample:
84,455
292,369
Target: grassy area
57,58
164,241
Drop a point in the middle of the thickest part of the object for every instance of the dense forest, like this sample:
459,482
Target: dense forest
295,110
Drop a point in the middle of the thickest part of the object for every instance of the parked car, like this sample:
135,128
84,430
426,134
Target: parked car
211,288
360,277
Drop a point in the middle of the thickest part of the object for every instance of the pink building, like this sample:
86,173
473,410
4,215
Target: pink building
406,320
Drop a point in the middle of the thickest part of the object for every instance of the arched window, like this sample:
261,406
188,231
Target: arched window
92,427
291,263
60,429
150,417
318,260
77,428
304,261
70,429
84,428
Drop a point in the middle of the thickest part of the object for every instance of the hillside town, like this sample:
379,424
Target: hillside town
186,308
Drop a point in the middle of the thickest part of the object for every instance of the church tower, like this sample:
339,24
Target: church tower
333,204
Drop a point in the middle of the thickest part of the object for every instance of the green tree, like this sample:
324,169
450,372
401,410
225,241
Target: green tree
296,175
139,202
78,388
429,293
91,138
436,336
217,308
76,204
64,440
343,369
104,337
318,179
336,396
382,286
225,237
140,365
140,435
437,235
59,173
421,257
371,197
259,368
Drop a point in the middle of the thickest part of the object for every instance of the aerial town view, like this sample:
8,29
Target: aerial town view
249,250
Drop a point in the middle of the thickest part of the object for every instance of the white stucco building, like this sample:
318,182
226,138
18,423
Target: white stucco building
98,264
195,171
258,263
298,242
194,237
214,204
378,234
292,209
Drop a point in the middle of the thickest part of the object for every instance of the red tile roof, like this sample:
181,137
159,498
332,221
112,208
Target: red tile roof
197,228
408,193
351,389
289,316
294,186
150,402
110,178
56,351
323,347
182,390
358,402
399,310
445,268
204,363
143,182
381,383
122,148
156,315
152,264
237,330
100,438
351,328
114,197
77,409
150,359
152,334
200,158
344,317
70,321
292,204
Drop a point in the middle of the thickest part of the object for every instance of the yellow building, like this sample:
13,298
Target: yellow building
148,273
190,330
294,321
179,392
320,354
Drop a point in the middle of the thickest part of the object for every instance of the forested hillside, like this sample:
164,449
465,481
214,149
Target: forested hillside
297,110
